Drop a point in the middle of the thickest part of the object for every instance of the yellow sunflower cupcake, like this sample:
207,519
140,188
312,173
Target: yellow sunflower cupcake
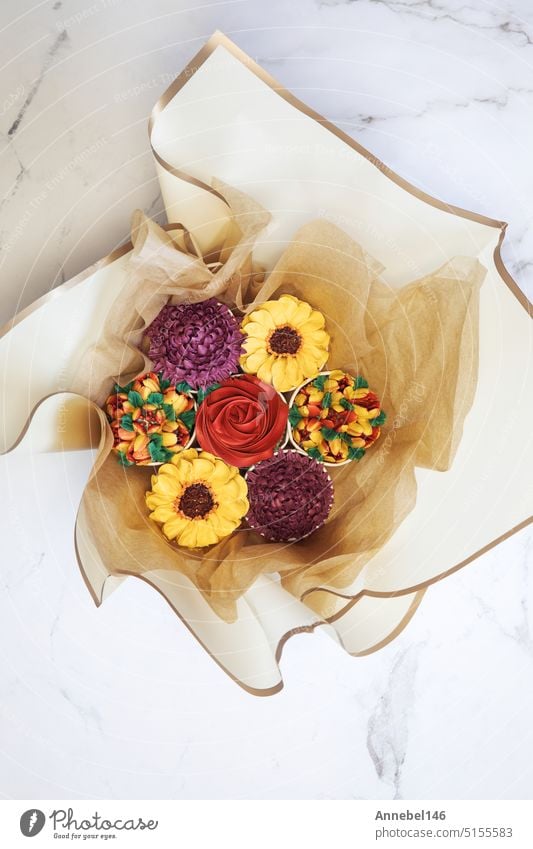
197,498
285,342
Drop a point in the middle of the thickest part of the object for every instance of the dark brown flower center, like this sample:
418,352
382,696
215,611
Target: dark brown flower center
285,340
196,501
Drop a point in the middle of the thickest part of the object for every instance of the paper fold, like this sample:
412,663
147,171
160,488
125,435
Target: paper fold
271,148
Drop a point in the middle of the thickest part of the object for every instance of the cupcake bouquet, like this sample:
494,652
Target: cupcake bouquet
240,421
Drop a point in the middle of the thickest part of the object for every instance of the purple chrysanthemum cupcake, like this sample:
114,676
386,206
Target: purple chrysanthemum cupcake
197,343
290,496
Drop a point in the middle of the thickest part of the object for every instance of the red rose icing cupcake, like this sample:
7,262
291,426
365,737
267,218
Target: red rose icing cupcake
241,421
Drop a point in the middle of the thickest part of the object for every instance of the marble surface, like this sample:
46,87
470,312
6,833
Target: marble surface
121,702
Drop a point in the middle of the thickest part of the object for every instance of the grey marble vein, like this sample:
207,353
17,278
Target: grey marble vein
430,10
60,38
388,725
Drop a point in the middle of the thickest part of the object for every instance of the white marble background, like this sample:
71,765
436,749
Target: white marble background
121,702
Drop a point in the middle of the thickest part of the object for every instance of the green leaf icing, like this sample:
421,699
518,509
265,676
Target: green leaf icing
203,392
326,401
320,381
157,450
294,416
119,389
169,412
123,460
126,422
184,387
188,419
135,399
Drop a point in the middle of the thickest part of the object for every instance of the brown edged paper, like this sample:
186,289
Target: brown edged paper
416,342
417,347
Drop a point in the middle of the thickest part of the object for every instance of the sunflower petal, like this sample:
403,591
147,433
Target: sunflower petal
278,372
308,364
221,525
188,535
252,344
233,510
261,316
264,372
254,361
319,338
221,474
293,373
155,500
279,311
174,527
163,514
316,321
202,469
167,485
256,329
302,314
206,533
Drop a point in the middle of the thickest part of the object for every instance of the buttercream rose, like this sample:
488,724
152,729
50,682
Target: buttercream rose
242,421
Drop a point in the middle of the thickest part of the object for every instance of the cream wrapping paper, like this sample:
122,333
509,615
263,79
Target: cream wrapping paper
423,338
296,166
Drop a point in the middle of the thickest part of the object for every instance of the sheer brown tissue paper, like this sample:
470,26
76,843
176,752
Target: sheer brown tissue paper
416,346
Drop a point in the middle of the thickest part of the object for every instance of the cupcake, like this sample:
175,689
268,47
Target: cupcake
285,342
242,420
290,496
335,418
151,420
197,343
197,499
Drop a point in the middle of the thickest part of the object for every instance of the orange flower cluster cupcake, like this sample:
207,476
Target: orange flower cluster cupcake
335,418
151,420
